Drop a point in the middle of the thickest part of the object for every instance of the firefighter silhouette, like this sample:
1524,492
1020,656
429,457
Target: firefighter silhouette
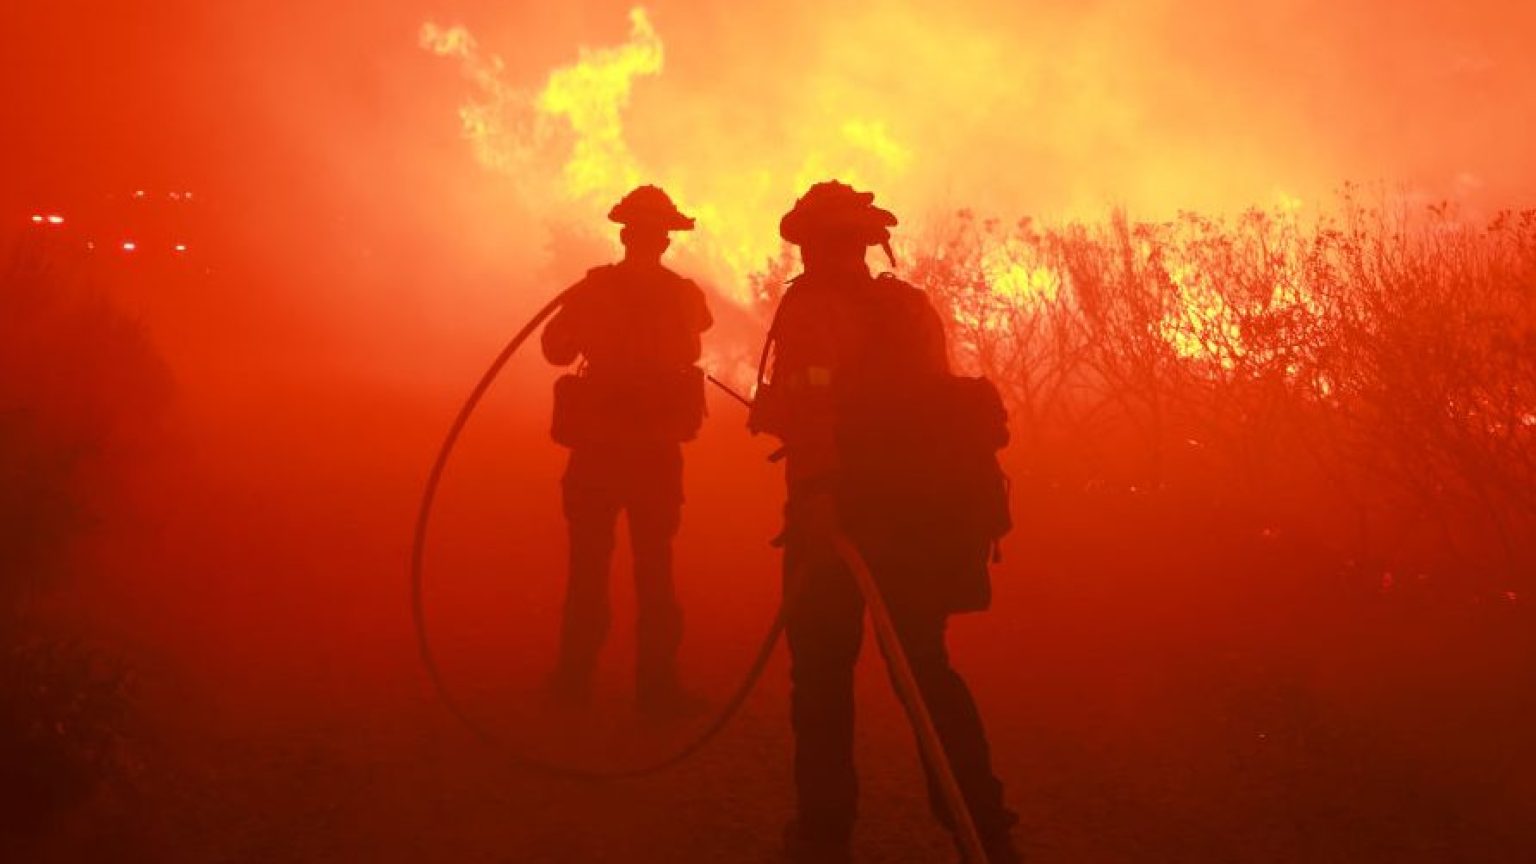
635,397
885,446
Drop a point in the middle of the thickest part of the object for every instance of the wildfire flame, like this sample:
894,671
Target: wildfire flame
581,106
591,95
570,147
576,122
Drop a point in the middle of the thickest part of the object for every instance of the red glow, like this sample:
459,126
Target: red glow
373,221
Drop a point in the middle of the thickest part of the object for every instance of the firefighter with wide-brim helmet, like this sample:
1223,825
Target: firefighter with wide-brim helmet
636,396
858,388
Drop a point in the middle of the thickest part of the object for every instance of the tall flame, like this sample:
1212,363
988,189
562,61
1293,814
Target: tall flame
574,128
572,148
591,95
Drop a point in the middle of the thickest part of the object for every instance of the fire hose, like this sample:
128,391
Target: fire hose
445,694
886,635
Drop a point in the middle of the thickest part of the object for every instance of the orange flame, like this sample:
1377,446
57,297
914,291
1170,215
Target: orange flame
576,122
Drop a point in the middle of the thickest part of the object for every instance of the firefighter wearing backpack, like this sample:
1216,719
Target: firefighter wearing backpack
636,396
883,444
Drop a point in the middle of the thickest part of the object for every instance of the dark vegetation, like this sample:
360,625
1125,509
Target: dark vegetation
81,395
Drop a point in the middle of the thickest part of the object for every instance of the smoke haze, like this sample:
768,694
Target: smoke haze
382,192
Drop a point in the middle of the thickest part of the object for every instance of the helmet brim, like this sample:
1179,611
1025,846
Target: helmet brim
674,221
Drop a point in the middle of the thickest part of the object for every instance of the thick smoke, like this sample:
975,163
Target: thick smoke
358,259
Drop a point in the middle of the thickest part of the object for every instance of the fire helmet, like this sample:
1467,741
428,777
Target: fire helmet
649,206
836,211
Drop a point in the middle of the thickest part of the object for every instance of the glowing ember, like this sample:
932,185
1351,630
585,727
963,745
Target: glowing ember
1200,325
1013,274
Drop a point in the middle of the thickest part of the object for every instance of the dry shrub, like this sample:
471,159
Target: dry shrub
1365,383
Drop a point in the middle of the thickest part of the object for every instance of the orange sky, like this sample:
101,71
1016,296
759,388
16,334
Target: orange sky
1082,100
326,128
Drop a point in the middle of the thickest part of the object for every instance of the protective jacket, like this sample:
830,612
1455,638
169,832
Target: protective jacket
862,395
636,328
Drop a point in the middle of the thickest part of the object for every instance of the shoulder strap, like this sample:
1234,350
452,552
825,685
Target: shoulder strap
773,333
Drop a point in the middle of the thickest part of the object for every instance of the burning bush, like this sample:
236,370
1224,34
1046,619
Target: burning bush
1367,383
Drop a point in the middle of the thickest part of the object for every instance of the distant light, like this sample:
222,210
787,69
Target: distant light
181,247
139,193
129,246
37,219
55,220
90,245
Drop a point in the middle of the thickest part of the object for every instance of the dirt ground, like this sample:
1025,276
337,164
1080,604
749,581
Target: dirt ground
285,716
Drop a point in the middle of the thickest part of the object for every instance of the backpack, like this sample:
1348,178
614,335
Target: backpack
659,406
921,489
